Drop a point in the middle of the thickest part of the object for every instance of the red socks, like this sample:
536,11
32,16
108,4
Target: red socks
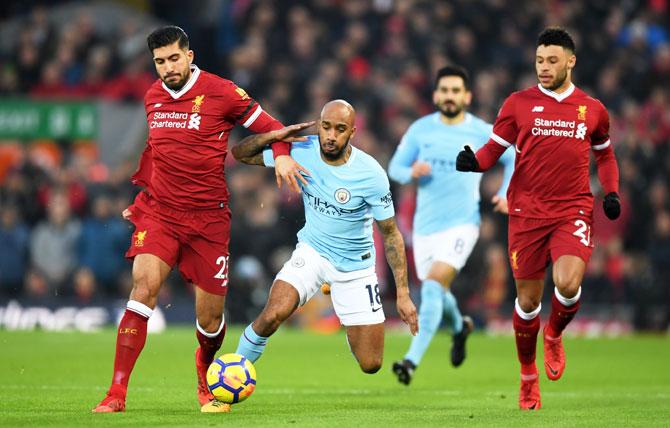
561,315
210,343
132,336
527,326
130,340
525,333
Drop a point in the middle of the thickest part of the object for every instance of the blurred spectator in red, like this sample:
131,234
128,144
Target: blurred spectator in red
133,82
63,182
97,72
52,84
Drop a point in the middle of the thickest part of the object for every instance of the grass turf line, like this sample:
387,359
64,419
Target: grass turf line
55,379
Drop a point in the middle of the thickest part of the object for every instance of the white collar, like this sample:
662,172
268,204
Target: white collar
195,72
554,95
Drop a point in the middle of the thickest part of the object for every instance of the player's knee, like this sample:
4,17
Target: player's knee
568,289
371,365
529,303
145,290
568,285
210,322
371,369
144,296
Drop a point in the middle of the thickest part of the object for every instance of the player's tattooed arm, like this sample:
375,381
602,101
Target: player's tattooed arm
250,149
394,246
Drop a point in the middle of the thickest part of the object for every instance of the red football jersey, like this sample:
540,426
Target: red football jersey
182,165
552,135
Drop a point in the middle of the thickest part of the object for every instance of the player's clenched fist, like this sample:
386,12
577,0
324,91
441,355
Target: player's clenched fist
612,205
466,160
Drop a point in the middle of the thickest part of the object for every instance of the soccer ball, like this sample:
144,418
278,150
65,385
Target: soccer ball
231,378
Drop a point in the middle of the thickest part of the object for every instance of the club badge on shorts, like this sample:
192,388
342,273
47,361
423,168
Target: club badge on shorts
298,262
139,238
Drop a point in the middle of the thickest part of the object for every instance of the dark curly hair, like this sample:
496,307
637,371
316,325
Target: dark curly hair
556,36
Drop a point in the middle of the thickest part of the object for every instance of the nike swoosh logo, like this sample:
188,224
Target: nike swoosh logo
376,309
553,372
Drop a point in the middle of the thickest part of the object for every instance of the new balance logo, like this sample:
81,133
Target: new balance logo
538,109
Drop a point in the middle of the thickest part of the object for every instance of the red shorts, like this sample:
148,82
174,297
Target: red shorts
533,243
197,240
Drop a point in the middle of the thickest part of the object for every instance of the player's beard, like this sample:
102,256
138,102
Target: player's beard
559,80
333,156
450,112
175,86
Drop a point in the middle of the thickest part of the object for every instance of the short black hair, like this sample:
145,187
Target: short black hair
166,36
453,70
556,36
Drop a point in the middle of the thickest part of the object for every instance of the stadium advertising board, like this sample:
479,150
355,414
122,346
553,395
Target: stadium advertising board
27,119
16,315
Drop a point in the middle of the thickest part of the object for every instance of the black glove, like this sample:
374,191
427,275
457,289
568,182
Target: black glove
466,160
612,205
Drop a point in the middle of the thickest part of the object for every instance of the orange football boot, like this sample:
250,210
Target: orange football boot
554,356
114,401
529,393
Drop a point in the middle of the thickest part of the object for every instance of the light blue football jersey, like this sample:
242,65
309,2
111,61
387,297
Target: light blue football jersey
447,197
340,204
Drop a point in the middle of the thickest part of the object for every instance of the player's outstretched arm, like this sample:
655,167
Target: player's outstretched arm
394,247
250,149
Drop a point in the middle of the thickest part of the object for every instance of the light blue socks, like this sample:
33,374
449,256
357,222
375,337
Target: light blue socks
430,316
251,345
454,317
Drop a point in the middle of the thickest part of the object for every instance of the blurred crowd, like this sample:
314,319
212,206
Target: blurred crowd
60,228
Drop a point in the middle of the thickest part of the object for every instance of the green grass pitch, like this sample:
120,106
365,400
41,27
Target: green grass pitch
304,379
